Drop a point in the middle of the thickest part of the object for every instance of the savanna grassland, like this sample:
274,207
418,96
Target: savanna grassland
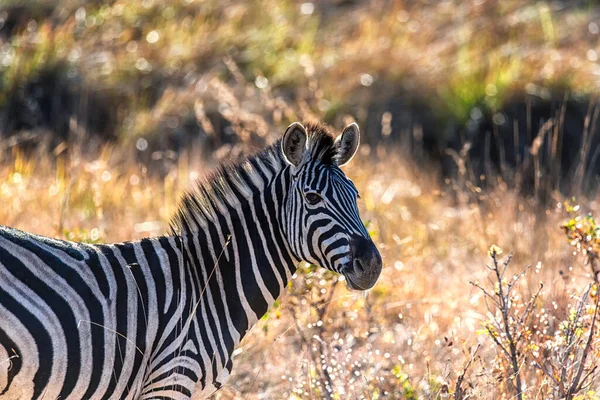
109,110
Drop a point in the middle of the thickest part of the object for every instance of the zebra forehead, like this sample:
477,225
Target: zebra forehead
327,175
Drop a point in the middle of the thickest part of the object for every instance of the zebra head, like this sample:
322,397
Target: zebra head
321,218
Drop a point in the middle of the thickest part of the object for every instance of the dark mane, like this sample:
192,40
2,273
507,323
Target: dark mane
321,143
217,190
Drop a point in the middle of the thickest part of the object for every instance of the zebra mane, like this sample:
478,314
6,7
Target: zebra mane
222,188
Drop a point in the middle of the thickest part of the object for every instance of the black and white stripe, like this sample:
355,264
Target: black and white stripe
161,317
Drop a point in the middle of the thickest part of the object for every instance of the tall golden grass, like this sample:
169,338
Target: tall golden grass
408,337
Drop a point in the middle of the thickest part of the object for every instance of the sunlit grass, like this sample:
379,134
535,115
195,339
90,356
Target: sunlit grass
410,334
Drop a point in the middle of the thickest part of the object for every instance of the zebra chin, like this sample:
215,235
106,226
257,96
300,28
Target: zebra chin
364,269
360,282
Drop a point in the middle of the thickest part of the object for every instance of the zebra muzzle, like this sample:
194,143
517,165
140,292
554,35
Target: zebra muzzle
366,264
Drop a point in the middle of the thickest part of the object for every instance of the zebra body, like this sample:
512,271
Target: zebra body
161,317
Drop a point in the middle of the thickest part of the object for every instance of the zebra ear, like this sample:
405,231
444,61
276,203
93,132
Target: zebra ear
347,144
293,143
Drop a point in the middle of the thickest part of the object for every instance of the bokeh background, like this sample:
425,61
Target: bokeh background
478,120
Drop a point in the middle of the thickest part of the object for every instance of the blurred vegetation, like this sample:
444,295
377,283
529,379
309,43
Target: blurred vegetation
109,104
444,72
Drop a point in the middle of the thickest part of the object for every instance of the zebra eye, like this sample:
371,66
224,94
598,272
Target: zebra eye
313,198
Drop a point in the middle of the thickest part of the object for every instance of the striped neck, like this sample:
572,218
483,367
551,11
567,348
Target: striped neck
232,236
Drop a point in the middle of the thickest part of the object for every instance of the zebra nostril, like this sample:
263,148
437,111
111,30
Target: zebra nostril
358,266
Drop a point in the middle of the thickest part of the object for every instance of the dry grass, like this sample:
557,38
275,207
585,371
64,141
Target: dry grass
409,336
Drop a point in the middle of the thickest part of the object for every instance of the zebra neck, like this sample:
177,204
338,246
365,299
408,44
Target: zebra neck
241,259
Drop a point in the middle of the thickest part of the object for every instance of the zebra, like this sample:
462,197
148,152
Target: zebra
161,317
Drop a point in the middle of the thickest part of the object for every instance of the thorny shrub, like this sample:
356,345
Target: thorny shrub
538,356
